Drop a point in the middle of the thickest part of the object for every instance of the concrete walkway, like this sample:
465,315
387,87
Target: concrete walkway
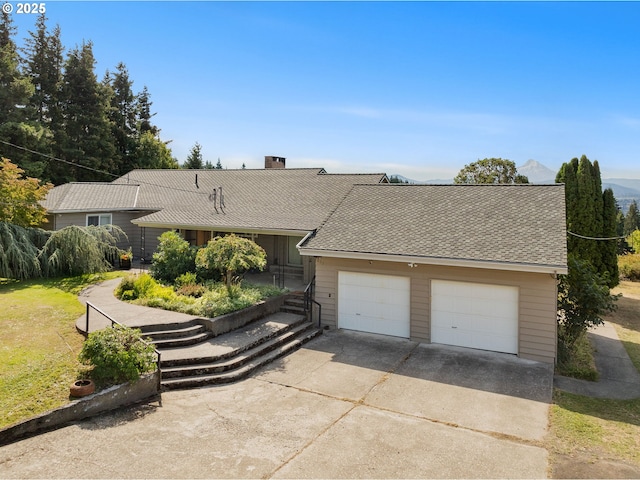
101,295
619,378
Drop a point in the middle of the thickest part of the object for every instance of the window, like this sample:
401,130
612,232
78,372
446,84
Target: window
99,220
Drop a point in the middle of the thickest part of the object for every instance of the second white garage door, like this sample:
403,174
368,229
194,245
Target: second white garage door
475,315
374,303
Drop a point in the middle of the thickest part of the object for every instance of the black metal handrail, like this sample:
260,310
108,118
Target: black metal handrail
115,322
309,298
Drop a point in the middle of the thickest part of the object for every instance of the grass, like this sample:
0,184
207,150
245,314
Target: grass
596,428
591,430
39,344
626,319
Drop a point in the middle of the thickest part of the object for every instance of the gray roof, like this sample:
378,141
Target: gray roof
449,224
91,197
264,199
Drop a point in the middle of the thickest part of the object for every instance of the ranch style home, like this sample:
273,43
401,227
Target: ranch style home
466,265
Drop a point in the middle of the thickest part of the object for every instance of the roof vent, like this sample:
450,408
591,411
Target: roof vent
274,162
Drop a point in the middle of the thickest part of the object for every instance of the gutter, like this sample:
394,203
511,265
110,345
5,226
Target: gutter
448,262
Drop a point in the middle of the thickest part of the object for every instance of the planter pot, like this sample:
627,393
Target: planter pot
125,264
82,388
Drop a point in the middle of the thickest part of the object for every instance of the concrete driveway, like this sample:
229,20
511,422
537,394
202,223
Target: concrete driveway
347,405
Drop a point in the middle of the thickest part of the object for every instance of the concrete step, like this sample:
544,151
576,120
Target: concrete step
292,309
232,343
247,368
238,360
180,332
177,342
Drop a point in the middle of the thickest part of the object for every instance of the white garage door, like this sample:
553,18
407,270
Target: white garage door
474,315
374,303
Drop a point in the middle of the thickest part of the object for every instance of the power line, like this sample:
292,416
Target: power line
595,238
51,157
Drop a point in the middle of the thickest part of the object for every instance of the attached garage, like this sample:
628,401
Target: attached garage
374,303
475,315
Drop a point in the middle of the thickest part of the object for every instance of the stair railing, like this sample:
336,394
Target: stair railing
115,322
309,300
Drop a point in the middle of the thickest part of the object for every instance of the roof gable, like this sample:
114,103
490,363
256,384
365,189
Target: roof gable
87,197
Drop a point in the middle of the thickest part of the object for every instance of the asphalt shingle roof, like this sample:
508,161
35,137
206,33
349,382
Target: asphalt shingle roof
515,224
86,197
269,199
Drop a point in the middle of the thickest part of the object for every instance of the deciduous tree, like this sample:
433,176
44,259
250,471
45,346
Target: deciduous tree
20,196
230,255
490,170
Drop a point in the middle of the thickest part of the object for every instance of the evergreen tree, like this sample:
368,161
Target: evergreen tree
208,165
44,60
144,114
218,165
194,160
15,88
609,248
123,116
15,91
631,220
87,137
590,213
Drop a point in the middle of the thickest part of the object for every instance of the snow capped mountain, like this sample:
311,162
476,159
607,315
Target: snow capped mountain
536,172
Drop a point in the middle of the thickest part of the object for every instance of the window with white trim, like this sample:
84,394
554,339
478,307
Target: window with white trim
99,220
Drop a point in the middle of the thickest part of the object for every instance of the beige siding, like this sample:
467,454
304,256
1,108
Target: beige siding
537,298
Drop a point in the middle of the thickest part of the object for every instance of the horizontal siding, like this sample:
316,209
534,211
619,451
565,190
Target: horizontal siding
537,298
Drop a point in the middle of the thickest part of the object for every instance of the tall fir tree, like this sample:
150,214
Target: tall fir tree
15,91
194,159
144,115
123,115
87,139
44,59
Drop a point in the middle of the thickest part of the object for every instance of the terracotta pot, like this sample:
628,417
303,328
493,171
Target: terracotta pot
81,388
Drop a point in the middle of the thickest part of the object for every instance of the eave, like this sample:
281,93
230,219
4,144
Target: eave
425,260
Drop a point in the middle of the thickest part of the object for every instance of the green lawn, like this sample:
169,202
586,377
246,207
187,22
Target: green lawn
589,431
39,344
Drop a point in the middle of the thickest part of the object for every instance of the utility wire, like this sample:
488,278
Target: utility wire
595,238
50,157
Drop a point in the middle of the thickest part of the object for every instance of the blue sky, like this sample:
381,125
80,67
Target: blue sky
412,88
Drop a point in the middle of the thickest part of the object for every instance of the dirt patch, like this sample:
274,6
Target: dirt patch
590,465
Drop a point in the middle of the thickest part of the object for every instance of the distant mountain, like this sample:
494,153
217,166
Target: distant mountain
537,172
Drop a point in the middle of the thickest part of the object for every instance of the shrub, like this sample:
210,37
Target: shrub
191,290
189,278
174,257
629,266
117,355
583,299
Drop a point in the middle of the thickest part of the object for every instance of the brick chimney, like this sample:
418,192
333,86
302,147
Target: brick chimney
274,162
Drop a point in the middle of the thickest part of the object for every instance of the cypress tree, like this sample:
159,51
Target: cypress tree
590,213
609,248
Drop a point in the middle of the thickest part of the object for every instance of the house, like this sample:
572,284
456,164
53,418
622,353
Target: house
275,206
467,265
